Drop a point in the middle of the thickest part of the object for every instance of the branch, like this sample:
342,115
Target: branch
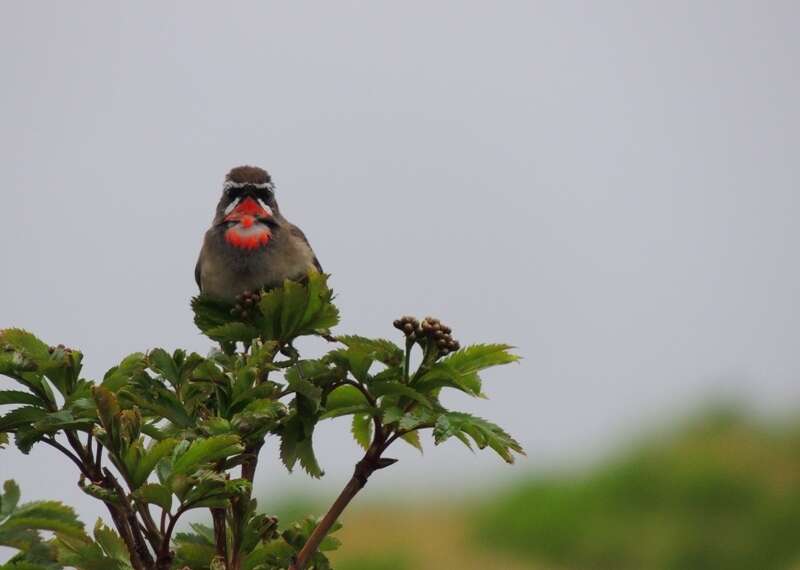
379,433
139,545
371,462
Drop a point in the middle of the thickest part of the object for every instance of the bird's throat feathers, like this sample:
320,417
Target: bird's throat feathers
248,234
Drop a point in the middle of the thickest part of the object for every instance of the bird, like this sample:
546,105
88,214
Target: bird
250,246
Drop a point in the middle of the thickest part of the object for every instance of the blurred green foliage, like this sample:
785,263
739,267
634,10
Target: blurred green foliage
722,493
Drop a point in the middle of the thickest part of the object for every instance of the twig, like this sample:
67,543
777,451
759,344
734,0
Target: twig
370,463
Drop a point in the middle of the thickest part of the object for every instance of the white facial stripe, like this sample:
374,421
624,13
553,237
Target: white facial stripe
229,184
263,204
232,205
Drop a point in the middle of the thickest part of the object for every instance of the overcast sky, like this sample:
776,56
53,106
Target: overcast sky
610,186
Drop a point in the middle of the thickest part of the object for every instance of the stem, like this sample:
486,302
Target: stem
220,533
310,547
407,362
370,463
128,529
139,544
240,505
164,561
379,433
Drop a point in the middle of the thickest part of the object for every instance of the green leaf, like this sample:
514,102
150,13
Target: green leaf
233,332
111,543
151,457
347,410
45,515
479,357
297,444
362,429
132,366
27,344
210,312
156,494
306,389
295,299
397,389
204,451
345,396
418,418
155,399
161,361
482,432
412,438
3,440
21,417
9,499
460,369
19,397
357,360
382,350
320,313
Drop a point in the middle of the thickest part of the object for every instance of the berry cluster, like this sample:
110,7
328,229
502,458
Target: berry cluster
431,329
245,304
52,349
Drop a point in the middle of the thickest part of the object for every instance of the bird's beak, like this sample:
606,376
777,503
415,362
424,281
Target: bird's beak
247,208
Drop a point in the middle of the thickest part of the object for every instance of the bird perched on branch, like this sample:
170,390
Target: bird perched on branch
250,245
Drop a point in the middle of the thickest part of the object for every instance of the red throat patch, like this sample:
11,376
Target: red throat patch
250,237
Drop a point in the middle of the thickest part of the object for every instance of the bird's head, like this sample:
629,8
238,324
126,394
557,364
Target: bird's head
247,210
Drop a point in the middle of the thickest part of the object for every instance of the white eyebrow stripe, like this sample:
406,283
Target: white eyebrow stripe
229,184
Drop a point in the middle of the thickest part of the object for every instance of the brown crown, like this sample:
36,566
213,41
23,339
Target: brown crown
248,175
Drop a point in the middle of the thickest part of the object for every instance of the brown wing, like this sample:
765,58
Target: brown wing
197,269
297,232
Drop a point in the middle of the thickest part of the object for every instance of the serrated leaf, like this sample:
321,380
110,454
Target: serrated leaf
204,451
210,312
397,389
295,300
362,430
320,313
270,306
482,432
347,410
111,543
358,361
9,499
233,332
19,397
28,344
161,361
379,349
297,444
417,418
21,417
130,367
460,369
150,459
345,396
45,515
156,494
412,438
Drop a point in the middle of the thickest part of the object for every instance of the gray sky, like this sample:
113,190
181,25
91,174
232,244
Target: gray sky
610,186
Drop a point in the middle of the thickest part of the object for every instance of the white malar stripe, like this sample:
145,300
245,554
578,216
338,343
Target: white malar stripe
232,205
263,204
